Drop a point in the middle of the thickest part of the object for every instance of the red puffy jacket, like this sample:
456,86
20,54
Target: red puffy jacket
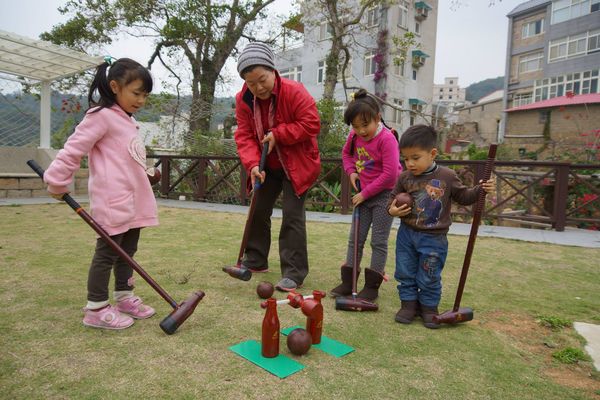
296,126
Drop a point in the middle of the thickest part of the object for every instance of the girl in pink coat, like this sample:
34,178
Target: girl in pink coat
121,198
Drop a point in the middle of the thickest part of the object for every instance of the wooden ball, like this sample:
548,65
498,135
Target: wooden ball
155,177
264,290
299,341
403,198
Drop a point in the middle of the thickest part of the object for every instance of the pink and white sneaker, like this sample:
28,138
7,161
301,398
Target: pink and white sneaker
134,307
107,318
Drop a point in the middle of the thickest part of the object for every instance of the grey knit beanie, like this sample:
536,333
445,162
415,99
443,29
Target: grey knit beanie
255,54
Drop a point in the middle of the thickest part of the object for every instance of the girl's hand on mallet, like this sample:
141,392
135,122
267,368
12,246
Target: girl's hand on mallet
357,199
353,179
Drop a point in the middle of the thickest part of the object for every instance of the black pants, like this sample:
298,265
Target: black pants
105,259
292,236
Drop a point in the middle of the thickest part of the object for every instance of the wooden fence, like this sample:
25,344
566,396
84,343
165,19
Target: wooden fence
550,195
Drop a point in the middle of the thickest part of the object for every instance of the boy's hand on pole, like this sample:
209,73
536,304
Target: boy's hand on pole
489,186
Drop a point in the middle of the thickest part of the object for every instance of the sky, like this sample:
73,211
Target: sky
471,38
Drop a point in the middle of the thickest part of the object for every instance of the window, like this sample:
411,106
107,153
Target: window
522,99
441,97
576,83
441,90
321,72
399,69
369,63
450,89
450,97
531,62
564,10
294,73
325,31
373,16
451,82
397,118
574,46
593,44
532,28
417,28
403,17
348,72
414,74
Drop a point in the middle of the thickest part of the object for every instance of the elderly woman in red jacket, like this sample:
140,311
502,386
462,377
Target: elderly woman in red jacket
279,111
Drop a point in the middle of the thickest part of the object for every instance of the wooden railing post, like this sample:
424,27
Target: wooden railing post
165,178
345,195
201,180
561,190
243,178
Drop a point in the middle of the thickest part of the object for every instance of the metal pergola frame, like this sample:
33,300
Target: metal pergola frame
42,62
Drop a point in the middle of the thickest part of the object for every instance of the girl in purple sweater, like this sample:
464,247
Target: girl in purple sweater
370,155
121,198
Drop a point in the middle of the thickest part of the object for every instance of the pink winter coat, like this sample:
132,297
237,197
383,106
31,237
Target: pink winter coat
120,194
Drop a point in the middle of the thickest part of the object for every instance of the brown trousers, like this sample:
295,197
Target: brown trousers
103,262
293,254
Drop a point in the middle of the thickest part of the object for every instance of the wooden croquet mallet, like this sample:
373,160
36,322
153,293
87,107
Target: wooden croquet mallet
458,314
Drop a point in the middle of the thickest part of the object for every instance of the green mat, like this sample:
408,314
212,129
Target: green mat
280,366
328,345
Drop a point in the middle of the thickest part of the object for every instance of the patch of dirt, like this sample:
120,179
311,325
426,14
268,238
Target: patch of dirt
530,337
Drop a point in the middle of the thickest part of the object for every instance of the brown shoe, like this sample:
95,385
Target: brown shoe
373,280
344,288
407,312
427,313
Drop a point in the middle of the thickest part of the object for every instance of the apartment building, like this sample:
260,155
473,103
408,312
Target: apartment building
409,85
449,91
553,50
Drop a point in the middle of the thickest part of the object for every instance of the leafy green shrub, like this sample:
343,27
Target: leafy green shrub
570,355
553,322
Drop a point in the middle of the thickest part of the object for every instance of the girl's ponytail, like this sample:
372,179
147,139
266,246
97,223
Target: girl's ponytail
101,85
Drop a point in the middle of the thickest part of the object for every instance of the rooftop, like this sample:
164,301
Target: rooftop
527,6
568,100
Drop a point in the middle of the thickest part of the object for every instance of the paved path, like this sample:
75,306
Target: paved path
570,237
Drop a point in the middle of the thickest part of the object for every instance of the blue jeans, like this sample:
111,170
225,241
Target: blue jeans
420,258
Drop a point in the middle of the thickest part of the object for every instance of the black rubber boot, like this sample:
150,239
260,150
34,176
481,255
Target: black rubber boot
373,280
345,288
427,314
407,311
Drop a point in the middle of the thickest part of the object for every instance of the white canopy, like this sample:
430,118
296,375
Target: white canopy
44,62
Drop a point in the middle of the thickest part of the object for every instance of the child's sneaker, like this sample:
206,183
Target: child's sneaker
287,285
134,306
106,318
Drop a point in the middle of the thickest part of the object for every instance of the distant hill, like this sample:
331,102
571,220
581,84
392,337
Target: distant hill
477,90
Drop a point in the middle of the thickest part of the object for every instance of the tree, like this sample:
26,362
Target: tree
203,32
343,20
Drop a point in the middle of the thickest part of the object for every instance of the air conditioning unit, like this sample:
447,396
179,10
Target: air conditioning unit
421,13
418,61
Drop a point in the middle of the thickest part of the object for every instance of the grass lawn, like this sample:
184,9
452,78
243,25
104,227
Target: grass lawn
504,353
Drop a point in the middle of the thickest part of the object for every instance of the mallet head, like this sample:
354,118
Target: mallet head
463,314
172,321
352,303
240,273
